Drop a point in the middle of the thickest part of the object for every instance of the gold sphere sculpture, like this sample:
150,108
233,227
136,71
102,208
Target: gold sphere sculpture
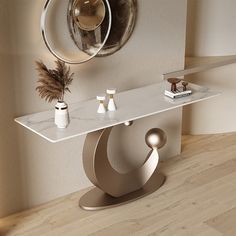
155,138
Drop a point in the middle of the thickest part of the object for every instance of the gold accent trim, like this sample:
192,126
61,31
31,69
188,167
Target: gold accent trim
63,108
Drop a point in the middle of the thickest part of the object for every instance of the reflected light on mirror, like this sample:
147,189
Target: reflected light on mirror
89,14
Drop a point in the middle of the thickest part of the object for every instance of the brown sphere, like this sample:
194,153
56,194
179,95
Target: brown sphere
155,138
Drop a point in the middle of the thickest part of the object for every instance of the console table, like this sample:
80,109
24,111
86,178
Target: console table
113,188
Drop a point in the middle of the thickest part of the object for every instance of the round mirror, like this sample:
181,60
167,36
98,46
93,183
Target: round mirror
85,16
124,14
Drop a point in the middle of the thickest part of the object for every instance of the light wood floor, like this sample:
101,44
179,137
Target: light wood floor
199,198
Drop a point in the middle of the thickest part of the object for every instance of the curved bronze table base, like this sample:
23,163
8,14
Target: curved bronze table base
114,188
96,199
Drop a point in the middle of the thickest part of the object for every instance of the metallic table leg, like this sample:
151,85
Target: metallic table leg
112,187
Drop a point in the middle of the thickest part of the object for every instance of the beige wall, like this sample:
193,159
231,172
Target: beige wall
211,26
10,172
47,171
211,32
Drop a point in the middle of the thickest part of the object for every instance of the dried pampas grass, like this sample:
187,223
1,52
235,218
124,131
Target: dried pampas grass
53,84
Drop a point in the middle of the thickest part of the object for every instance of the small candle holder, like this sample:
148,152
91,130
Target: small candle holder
101,108
111,104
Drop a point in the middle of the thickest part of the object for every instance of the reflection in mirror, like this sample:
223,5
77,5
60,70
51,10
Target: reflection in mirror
88,14
57,35
89,29
88,41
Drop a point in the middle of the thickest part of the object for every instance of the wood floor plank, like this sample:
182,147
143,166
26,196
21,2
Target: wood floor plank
198,198
225,222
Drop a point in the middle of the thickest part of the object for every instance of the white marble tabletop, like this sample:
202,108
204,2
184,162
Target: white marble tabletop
131,105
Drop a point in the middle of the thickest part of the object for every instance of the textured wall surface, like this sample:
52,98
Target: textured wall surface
45,171
211,32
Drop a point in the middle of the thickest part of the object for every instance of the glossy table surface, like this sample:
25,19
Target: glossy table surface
132,105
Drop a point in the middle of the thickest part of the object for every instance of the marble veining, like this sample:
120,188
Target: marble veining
131,105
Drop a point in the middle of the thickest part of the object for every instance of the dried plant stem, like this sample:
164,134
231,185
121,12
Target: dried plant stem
53,84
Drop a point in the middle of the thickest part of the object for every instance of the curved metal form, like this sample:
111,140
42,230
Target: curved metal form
78,56
122,187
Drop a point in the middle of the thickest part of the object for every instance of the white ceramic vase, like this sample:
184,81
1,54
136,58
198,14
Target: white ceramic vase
61,115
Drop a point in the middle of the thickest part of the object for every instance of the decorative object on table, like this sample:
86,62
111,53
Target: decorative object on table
61,115
101,108
177,91
53,84
111,103
185,84
173,82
